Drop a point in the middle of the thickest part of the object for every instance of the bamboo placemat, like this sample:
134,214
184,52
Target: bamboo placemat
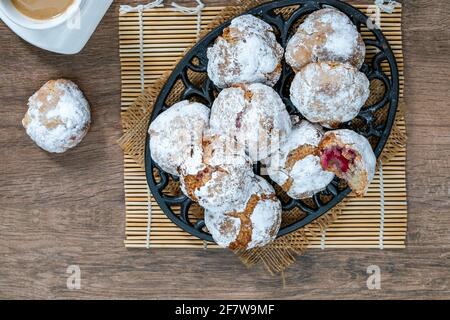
165,34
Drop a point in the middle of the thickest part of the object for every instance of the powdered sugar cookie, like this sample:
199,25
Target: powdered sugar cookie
176,135
58,116
326,35
296,165
329,93
350,156
253,224
255,115
247,52
222,178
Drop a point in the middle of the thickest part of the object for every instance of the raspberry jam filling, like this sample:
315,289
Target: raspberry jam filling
337,159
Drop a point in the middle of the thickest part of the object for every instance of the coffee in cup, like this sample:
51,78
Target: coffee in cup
40,14
42,9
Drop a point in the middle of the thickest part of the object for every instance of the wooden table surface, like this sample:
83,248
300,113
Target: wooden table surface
61,210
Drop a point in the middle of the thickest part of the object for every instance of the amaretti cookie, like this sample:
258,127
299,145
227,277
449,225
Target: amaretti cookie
58,116
296,165
255,115
247,52
223,179
329,93
326,35
349,156
176,135
253,224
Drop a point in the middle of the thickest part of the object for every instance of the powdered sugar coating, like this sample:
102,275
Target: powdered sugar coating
326,35
247,52
249,24
296,166
227,181
227,228
366,162
329,93
266,217
176,136
58,116
255,115
223,228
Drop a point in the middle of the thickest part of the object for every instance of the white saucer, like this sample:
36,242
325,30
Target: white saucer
62,39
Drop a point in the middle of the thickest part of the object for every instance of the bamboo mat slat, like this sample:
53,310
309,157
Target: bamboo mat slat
165,35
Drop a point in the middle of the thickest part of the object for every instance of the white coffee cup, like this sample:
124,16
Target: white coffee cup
22,20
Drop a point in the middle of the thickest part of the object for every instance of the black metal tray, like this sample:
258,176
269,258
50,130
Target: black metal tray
177,207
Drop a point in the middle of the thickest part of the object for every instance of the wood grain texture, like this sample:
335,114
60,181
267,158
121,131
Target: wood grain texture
68,209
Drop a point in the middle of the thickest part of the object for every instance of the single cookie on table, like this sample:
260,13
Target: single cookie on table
253,224
176,135
255,115
348,155
221,180
329,93
296,165
58,116
247,52
326,35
